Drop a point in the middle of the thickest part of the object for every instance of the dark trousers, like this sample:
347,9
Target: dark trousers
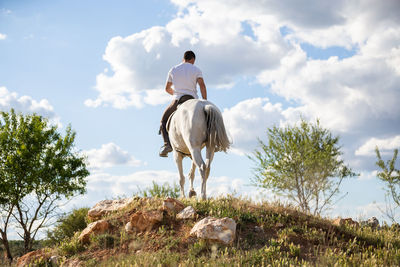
167,113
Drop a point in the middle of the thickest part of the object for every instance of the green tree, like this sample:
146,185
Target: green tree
302,163
390,175
38,168
67,225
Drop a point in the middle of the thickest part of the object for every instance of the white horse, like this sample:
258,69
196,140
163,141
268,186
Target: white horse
197,124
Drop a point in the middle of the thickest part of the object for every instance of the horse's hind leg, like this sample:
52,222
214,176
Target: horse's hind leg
178,159
192,193
209,158
198,160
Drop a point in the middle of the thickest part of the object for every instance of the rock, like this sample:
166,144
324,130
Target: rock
373,222
187,213
128,227
95,228
72,263
32,256
145,220
108,206
219,230
172,205
55,260
346,221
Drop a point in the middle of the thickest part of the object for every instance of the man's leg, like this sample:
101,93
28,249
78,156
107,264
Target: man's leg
166,148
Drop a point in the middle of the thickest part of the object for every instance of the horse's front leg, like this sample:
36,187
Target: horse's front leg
178,159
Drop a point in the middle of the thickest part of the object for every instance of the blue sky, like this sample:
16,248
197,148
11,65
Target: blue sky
101,66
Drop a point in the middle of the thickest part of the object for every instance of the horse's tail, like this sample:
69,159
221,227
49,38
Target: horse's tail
216,133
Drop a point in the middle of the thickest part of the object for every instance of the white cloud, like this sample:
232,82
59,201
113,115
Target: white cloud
157,97
110,155
342,93
365,176
140,62
26,104
6,11
3,36
371,210
249,120
385,146
348,23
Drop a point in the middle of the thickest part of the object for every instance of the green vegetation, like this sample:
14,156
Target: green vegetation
67,225
157,190
17,247
38,168
70,247
303,164
267,234
390,175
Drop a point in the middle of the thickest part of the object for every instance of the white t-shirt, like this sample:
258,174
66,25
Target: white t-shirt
184,79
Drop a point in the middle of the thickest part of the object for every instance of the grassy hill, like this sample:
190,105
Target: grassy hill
267,234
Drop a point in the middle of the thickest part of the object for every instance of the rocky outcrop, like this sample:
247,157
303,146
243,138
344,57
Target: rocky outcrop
95,228
144,220
213,229
107,206
33,256
345,221
187,213
172,205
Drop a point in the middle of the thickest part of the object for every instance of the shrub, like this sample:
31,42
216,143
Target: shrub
164,190
71,247
67,225
104,241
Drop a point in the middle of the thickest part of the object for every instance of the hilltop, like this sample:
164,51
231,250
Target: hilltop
266,234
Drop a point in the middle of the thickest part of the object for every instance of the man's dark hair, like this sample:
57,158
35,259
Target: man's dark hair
189,55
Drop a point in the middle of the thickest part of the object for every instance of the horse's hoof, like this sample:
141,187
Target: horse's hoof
192,193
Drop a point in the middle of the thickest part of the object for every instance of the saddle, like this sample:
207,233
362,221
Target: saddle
170,117
181,100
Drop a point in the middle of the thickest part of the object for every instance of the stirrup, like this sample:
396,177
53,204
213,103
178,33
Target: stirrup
165,150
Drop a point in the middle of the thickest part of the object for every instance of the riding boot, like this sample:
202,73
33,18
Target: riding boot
166,148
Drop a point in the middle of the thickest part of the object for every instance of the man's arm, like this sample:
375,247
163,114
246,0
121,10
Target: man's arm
203,88
168,88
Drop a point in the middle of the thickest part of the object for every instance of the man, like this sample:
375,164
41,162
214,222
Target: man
184,78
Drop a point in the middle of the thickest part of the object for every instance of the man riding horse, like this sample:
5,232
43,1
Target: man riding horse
184,78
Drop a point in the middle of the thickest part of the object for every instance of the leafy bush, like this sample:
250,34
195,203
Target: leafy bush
164,190
67,225
104,241
71,247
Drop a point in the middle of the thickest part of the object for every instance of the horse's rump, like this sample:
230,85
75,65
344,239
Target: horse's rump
196,117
